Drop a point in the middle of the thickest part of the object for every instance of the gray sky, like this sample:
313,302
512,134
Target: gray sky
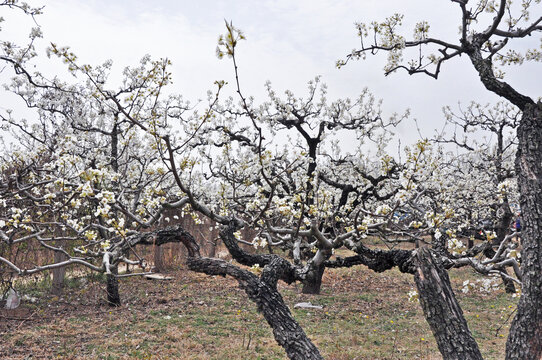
288,42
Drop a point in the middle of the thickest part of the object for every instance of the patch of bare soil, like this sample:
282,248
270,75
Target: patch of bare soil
194,316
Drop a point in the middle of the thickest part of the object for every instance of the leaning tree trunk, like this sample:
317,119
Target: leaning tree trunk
113,296
525,338
262,290
441,309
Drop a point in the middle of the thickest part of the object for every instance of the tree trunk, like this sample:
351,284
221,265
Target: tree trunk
212,248
58,274
313,281
287,332
441,309
504,218
158,259
525,338
113,296
262,290
509,285
470,242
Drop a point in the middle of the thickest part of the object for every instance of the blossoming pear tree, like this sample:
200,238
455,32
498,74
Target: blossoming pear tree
488,31
79,179
92,175
486,187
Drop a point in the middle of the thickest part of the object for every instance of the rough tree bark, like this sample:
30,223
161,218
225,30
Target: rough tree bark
441,309
113,296
440,244
314,271
262,290
525,338
244,258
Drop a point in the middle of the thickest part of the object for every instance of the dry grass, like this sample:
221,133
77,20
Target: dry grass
365,316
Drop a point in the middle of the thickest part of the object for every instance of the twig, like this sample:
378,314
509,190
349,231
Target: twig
28,318
18,319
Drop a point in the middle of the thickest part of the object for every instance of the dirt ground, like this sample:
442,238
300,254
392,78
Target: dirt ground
195,316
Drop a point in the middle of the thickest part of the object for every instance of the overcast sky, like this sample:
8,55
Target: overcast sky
288,42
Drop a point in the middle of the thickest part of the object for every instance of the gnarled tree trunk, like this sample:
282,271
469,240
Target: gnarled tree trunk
262,290
525,338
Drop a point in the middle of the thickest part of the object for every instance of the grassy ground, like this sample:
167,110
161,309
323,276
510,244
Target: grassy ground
365,316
